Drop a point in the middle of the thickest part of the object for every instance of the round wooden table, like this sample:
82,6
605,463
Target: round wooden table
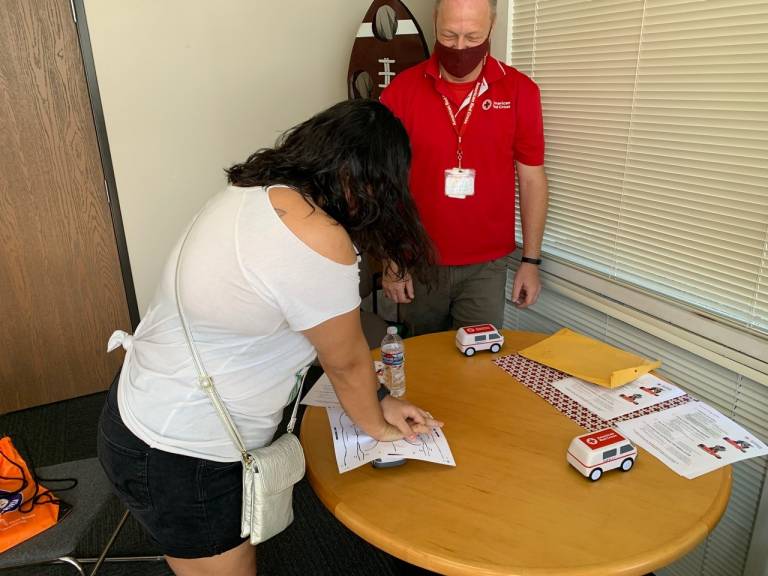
512,505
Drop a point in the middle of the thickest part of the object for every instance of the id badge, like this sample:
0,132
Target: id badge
459,182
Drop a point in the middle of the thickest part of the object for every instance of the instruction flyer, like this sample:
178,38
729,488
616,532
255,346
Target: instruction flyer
693,439
323,395
609,403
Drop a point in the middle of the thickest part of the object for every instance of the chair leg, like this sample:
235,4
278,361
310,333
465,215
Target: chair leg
111,540
72,562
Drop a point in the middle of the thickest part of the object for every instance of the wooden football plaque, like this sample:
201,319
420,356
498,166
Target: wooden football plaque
388,41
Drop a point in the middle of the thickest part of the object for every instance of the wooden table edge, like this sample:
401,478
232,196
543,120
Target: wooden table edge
632,566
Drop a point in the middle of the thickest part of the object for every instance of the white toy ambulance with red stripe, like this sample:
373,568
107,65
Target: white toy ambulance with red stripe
471,339
597,452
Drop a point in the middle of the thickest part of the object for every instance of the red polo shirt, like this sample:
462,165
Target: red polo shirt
505,126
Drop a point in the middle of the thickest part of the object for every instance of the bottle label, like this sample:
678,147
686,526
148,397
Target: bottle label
393,359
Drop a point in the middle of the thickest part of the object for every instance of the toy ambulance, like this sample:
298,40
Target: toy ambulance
597,452
471,339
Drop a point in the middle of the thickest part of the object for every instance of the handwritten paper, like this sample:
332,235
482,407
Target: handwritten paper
693,439
609,403
354,448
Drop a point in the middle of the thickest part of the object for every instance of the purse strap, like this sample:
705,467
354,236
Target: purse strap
205,380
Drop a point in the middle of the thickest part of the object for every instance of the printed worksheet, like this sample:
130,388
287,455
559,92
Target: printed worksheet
323,395
693,439
609,403
354,448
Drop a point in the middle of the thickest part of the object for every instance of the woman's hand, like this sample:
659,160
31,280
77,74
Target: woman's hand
404,420
346,359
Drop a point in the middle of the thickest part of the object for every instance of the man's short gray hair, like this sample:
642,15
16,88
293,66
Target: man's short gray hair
491,2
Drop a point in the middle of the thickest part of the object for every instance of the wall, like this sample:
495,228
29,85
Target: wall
189,87
499,34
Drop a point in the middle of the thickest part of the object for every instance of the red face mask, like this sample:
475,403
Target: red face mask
459,63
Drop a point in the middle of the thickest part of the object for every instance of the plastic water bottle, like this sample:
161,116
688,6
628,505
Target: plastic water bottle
393,358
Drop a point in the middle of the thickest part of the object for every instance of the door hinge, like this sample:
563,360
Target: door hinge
106,189
72,7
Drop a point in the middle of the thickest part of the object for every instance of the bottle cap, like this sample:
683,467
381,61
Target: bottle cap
391,329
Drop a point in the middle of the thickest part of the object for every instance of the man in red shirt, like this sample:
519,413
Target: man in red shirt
473,122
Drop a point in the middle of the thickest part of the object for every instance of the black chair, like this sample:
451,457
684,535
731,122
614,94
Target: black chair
58,543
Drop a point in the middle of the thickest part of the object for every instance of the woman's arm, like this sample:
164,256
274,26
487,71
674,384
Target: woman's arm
346,359
339,341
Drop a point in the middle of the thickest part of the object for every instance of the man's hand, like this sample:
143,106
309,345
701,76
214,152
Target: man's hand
399,291
527,285
405,420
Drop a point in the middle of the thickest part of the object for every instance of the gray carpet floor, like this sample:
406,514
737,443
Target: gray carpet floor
316,543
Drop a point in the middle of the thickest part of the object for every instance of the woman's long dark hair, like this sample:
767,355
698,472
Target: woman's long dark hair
352,160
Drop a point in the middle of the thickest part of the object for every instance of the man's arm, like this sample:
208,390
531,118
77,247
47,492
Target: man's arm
534,198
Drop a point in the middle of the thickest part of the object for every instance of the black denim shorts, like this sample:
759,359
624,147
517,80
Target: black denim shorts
189,506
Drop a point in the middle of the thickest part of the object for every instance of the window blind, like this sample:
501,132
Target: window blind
656,126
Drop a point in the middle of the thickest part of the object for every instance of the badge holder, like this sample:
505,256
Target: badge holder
459,182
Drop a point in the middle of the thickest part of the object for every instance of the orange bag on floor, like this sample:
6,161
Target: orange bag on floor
26,507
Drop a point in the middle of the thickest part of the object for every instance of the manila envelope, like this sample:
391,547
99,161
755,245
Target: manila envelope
589,359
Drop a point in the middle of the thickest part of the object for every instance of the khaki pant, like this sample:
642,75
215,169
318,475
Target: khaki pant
460,296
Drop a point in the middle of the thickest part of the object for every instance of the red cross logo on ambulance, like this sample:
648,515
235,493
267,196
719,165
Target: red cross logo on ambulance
601,451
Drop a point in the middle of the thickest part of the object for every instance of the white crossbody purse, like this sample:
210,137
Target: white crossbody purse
270,472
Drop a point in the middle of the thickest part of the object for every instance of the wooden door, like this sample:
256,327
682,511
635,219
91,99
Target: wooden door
61,288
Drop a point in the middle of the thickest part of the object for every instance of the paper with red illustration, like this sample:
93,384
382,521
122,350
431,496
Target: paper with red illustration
693,439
